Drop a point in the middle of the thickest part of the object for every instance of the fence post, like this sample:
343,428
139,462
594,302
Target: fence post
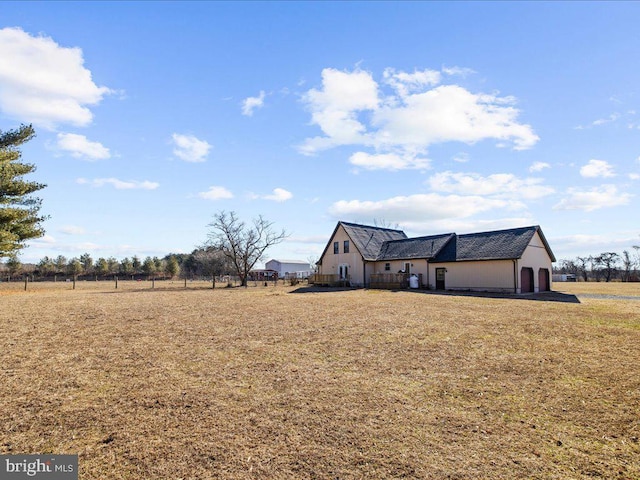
116,277
153,283
26,279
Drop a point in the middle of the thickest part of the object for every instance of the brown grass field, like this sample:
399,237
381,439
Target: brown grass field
288,383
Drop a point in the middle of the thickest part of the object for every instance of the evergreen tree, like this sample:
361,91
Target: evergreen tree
87,263
126,267
19,210
102,267
172,267
46,267
74,268
149,267
137,264
14,266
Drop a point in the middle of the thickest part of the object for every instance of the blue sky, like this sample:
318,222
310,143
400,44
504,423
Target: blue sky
437,117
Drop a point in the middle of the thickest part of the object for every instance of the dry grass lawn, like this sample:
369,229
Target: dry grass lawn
175,383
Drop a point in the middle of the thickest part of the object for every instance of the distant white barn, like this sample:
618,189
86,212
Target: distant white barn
290,268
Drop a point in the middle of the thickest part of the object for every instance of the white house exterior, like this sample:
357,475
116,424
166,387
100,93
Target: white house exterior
516,260
290,268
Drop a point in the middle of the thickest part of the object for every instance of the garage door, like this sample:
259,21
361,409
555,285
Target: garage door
543,280
526,280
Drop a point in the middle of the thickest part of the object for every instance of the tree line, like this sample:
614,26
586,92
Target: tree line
606,266
203,262
233,248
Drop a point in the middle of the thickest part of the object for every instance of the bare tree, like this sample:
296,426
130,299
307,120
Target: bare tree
581,263
569,266
383,223
609,262
313,262
244,245
627,265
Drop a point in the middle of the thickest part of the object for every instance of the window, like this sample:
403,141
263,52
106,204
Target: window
387,266
336,247
346,246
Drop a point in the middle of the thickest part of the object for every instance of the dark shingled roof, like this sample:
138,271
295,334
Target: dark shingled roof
420,247
369,239
495,245
379,244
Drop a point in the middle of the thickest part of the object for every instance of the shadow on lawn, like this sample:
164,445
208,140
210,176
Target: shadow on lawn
541,297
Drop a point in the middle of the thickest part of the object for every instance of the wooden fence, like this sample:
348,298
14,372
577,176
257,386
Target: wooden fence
331,280
389,280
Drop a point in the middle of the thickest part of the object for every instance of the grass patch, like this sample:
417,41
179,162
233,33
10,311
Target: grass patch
264,383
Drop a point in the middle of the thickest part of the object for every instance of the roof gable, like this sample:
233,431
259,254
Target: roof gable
369,240
366,239
493,245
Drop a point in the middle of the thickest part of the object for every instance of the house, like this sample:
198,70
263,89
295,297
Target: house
516,260
290,268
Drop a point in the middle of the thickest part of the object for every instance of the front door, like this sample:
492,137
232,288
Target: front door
440,284
344,272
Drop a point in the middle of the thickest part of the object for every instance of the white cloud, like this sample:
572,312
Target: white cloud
251,103
597,168
419,208
45,240
278,195
465,225
462,157
79,147
216,193
119,184
601,121
190,148
334,108
499,185
404,83
610,119
634,176
593,199
461,71
451,113
72,230
351,109
388,161
44,83
571,246
538,166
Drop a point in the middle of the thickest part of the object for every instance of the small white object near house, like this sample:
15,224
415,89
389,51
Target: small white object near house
413,281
